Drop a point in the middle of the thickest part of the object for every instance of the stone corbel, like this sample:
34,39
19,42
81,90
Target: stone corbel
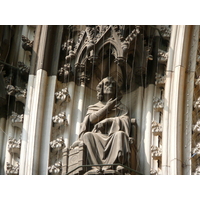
11,169
156,152
59,120
57,144
27,44
160,80
17,120
55,169
158,104
62,96
14,145
156,128
162,56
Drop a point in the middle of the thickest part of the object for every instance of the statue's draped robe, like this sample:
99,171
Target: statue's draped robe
104,148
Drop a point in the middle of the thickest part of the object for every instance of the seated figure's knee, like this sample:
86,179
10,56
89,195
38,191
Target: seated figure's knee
87,135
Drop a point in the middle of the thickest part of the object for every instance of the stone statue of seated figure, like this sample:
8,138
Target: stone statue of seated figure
106,127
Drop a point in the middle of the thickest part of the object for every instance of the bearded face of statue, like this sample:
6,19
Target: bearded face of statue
109,87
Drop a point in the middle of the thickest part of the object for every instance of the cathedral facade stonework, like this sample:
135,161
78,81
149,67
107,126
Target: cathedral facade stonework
99,99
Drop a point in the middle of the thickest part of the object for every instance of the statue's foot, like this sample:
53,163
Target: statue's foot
93,171
120,169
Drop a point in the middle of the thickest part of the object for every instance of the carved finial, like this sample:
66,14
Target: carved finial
59,120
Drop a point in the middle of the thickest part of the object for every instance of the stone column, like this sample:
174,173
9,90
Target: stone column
30,89
145,160
49,104
2,135
36,110
69,113
167,95
188,107
80,108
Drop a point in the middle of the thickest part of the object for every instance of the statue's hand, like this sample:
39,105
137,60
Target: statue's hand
111,103
102,124
99,127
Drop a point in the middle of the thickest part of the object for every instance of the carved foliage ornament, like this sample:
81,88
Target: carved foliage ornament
162,56
158,104
156,152
14,145
57,144
59,120
17,120
62,96
156,128
56,168
196,127
165,32
11,169
27,44
197,104
160,80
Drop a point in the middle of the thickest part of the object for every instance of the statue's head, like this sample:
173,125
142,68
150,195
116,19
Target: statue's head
108,86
